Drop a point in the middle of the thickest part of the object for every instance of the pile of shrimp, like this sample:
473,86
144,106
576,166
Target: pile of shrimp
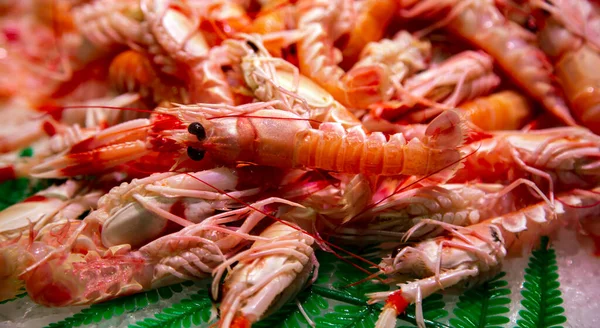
230,139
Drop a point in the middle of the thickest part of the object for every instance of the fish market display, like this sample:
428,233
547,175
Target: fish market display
229,140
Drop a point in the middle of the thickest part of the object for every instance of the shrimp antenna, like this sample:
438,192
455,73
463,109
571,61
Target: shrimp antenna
49,109
310,120
372,276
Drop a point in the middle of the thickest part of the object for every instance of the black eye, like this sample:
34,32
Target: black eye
252,45
195,154
293,50
198,130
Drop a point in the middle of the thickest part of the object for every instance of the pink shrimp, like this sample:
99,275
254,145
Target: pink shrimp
557,159
474,254
570,37
481,23
462,77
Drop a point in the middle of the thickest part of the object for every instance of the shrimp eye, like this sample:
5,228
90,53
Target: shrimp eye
198,130
195,154
252,45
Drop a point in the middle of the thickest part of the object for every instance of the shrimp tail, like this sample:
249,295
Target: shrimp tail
449,130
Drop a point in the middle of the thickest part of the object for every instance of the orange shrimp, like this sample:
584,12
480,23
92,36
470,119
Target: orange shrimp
169,33
331,147
570,39
505,110
316,60
261,134
482,24
183,51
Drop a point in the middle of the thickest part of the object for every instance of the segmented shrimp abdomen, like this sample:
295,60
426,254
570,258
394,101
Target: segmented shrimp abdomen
353,151
579,75
506,110
108,24
511,47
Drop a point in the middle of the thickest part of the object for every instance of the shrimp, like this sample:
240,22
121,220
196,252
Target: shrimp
110,24
401,214
169,35
271,272
175,43
579,18
482,24
403,56
273,79
23,222
172,37
260,134
563,158
474,254
105,150
462,77
315,61
336,17
570,37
